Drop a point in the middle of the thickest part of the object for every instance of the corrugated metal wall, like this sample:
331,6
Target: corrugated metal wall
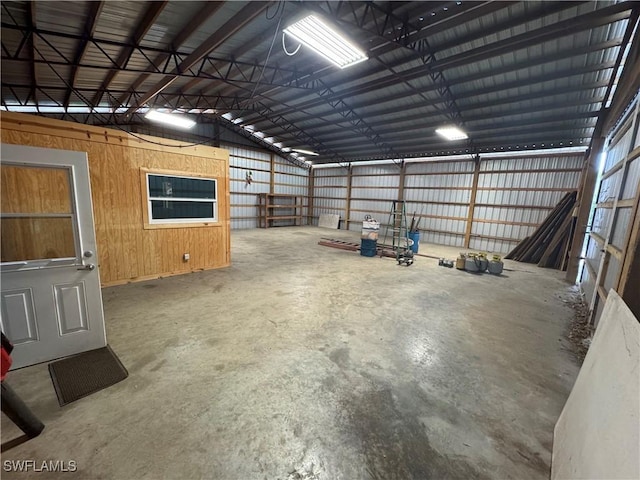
516,194
373,187
513,196
287,179
440,194
615,210
329,192
244,197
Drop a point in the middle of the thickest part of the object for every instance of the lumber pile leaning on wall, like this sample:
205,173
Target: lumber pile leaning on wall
548,246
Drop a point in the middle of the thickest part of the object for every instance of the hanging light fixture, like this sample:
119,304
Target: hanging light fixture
170,119
452,133
324,40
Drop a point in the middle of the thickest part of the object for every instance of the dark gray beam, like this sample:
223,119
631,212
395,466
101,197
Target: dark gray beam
547,8
238,53
471,93
540,107
146,22
276,75
488,73
407,135
209,9
429,136
95,8
31,20
629,82
591,20
446,148
232,26
587,21
568,92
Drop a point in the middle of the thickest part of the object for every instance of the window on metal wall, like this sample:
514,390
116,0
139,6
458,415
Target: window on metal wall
178,199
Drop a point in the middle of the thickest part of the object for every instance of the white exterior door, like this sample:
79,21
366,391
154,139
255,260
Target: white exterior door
51,303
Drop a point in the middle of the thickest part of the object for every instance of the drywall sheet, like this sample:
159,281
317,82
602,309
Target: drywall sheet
328,220
598,432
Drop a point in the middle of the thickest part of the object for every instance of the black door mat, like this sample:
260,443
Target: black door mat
86,373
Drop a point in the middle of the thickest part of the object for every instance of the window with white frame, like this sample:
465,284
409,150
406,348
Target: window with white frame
181,199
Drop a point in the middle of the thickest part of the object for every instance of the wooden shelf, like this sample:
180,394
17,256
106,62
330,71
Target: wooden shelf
267,208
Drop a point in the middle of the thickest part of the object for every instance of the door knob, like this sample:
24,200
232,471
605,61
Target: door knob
89,266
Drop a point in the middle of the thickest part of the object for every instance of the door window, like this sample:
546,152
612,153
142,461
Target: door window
36,217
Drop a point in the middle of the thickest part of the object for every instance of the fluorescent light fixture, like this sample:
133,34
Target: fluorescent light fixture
170,119
325,41
451,133
306,152
286,149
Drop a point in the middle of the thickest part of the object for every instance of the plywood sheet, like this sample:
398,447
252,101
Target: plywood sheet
127,251
598,432
328,220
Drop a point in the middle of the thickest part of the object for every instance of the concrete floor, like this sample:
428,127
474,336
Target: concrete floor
306,362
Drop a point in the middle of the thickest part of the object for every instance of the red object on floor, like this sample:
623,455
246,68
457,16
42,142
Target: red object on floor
5,357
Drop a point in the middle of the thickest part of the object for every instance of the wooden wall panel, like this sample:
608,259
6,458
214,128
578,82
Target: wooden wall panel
24,188
128,252
36,238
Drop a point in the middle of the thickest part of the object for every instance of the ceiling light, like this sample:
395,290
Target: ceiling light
170,119
451,133
286,149
322,39
306,152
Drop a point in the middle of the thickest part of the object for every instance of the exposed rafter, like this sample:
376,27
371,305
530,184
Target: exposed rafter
95,9
192,25
241,19
513,74
31,19
146,22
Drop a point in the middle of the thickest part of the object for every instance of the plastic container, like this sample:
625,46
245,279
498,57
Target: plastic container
368,247
495,267
476,263
471,264
415,237
370,229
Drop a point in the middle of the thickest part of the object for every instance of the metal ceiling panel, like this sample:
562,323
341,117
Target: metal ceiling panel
119,19
65,17
173,18
512,73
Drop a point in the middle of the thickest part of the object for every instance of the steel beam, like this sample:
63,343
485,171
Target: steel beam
95,9
232,26
209,9
503,100
388,46
591,20
31,20
146,22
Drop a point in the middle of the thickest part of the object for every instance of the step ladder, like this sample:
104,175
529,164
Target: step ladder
397,226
